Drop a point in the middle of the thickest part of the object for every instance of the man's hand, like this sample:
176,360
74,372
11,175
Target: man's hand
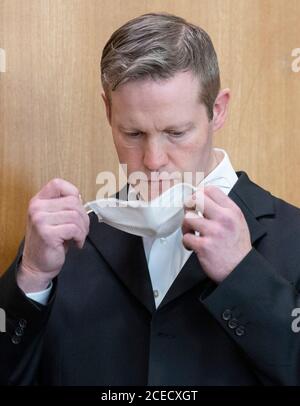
224,235
55,216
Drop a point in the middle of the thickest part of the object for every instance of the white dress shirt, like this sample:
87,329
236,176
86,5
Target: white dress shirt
167,256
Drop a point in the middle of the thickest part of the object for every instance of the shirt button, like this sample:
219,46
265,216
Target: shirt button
156,293
163,240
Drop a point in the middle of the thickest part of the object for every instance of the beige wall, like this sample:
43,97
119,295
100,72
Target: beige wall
52,122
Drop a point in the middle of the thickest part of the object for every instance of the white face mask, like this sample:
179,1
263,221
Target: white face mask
157,218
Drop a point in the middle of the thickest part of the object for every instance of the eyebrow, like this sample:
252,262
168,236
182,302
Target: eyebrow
187,125
129,129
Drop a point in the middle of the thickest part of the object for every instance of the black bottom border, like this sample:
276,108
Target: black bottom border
132,394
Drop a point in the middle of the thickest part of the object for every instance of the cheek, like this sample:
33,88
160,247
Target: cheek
192,155
194,149
132,156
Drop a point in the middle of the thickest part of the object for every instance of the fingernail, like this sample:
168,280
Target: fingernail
191,215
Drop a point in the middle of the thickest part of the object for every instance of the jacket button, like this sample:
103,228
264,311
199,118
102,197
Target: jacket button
233,323
227,315
240,331
19,331
16,340
22,323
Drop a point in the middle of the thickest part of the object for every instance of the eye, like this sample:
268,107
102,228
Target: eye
176,134
133,134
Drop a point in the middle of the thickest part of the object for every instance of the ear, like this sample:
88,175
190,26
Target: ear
221,109
107,107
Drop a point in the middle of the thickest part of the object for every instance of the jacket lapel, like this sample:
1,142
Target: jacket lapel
125,255
190,275
254,202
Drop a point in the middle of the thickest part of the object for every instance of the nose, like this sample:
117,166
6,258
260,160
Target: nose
155,157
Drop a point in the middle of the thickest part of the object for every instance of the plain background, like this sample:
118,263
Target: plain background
52,121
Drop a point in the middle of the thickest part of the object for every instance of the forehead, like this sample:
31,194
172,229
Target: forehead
183,87
157,99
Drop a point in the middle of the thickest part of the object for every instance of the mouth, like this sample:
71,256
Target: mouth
161,180
149,189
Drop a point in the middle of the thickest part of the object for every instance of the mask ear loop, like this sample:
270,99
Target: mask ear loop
197,233
199,213
87,209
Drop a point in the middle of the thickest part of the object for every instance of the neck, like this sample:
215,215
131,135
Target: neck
215,158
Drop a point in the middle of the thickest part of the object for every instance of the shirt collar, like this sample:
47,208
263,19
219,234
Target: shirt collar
223,172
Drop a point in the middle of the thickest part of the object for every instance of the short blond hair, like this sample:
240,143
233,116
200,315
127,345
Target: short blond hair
157,46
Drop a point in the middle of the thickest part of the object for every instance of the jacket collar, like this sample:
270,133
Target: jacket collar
125,252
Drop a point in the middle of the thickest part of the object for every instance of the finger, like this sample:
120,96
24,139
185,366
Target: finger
219,197
193,242
68,232
57,188
61,204
204,204
193,222
57,204
61,218
195,201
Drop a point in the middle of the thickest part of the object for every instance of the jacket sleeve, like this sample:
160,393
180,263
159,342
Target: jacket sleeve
21,343
254,305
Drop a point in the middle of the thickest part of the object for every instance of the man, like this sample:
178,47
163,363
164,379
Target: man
187,309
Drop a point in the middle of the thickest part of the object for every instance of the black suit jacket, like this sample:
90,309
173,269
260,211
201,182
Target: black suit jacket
101,326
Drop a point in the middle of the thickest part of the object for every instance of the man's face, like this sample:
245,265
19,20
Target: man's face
161,129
